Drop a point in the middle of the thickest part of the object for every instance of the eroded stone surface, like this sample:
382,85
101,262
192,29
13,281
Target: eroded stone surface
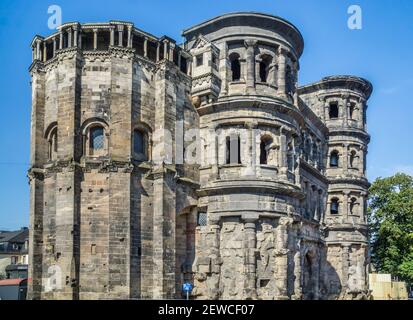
284,219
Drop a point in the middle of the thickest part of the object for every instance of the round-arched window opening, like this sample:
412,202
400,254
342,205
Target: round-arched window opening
96,139
235,67
334,159
264,148
140,145
334,209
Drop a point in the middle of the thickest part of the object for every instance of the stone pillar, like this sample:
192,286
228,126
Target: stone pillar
251,127
223,68
44,51
130,35
120,33
273,69
345,158
346,205
250,244
61,39
298,290
346,107
145,47
345,256
69,37
171,51
250,60
95,39
281,72
283,155
75,36
54,46
165,49
281,252
158,48
112,36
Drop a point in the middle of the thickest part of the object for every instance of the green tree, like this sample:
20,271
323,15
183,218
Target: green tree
390,217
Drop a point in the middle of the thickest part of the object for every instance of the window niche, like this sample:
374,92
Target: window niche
233,149
235,66
334,206
265,149
95,140
140,145
199,60
52,144
333,110
334,159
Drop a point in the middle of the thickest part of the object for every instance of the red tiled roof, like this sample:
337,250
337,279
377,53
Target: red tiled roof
11,282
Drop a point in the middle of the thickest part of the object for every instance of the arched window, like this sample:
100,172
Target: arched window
264,66
334,208
353,204
353,159
96,140
351,110
264,147
334,159
233,149
235,67
333,110
140,145
53,144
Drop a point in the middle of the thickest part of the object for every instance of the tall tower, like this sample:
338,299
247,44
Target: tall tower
341,102
106,191
262,183
154,164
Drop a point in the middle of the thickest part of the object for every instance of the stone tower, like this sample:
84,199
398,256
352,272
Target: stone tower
154,163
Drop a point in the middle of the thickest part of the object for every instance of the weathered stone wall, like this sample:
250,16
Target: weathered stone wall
246,212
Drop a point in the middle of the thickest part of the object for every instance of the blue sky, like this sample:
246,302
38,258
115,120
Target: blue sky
381,52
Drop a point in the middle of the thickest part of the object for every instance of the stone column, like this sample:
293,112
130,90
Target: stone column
345,256
171,51
69,37
273,68
251,127
145,47
346,107
130,35
281,72
250,244
95,39
158,48
283,155
281,252
75,36
345,158
346,205
223,68
165,49
120,33
112,36
61,40
44,51
298,291
54,46
250,60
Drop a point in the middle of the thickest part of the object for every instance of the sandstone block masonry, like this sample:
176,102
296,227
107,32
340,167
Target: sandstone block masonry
269,202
